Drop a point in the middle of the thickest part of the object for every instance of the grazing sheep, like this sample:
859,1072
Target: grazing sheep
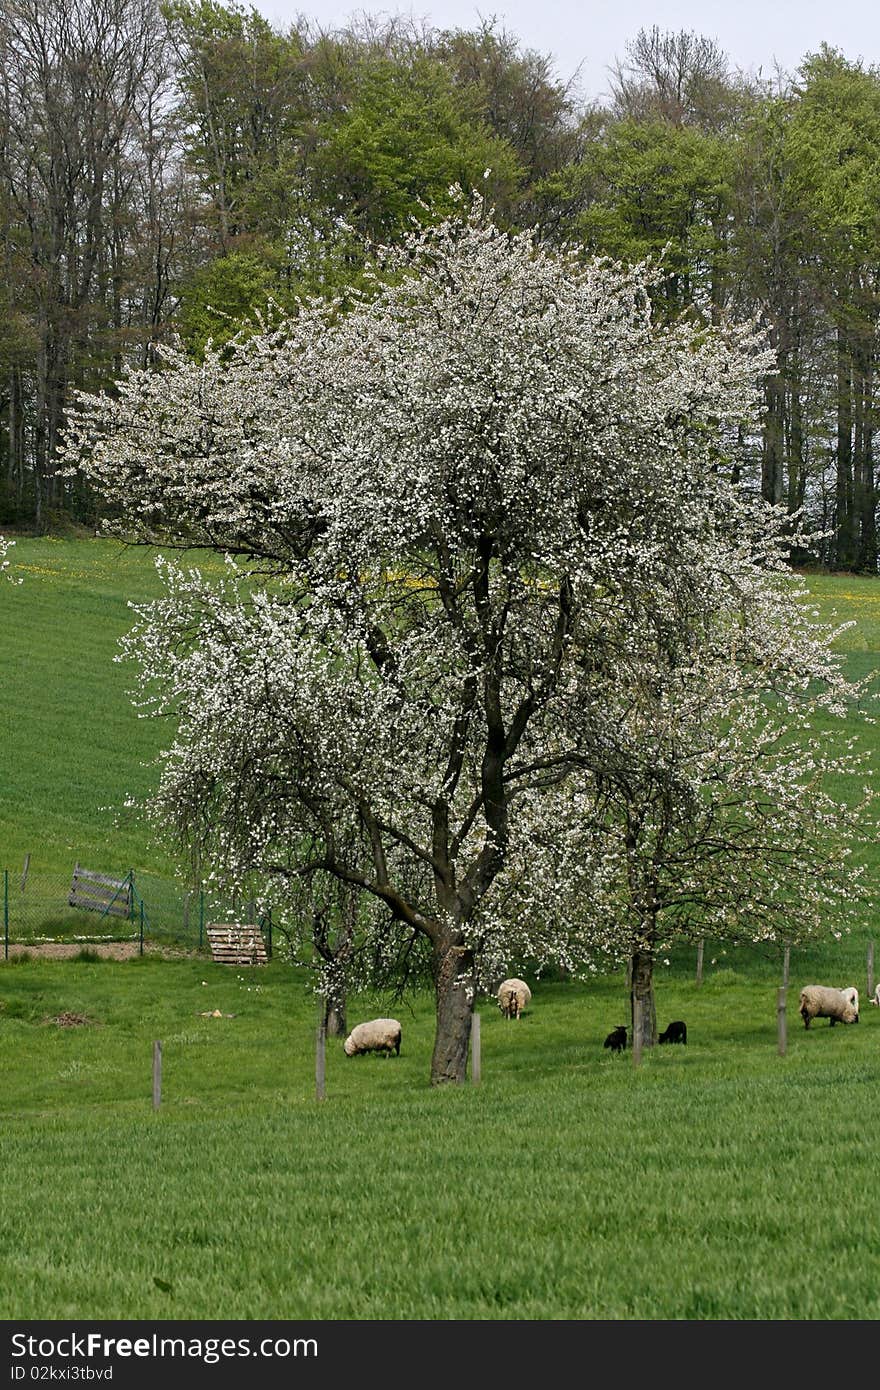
820,1001
852,994
676,1032
513,996
616,1040
379,1035
875,997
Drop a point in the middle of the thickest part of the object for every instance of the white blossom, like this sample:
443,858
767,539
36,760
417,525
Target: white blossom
488,569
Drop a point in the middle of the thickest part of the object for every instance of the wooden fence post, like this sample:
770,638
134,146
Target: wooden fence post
870,969
786,963
476,1060
780,1021
637,1030
157,1075
700,945
320,1061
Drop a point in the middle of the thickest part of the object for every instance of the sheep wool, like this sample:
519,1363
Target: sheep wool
513,996
820,1001
377,1035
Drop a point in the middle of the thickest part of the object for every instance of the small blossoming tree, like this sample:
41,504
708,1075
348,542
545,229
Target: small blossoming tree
450,513
718,794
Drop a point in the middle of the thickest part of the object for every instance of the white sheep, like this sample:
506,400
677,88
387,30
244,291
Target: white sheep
875,997
820,1001
852,994
513,996
377,1035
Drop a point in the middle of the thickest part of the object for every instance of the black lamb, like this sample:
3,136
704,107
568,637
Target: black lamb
616,1040
676,1032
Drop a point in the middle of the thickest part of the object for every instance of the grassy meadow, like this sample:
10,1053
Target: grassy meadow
717,1181
73,744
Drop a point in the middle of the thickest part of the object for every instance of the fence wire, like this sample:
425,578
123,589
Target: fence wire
43,906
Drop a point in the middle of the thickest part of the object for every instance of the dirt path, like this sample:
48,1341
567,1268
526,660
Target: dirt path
110,950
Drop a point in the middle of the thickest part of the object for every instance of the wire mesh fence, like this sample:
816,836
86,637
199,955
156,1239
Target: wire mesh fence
89,906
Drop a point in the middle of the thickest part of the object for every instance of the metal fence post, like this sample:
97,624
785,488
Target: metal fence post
142,927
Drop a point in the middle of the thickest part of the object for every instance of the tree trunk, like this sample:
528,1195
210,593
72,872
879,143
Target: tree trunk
454,989
863,464
844,481
797,471
334,1018
642,988
774,435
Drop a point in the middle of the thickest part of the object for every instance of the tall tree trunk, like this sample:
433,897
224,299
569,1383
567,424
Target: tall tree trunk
797,469
454,989
642,989
863,464
844,481
774,434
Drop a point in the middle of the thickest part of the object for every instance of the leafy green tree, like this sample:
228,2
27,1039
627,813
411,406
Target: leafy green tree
650,189
519,96
408,137
244,103
222,295
835,142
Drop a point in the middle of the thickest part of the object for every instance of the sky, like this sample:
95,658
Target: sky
585,38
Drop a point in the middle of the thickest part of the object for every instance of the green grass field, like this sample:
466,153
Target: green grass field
717,1181
74,747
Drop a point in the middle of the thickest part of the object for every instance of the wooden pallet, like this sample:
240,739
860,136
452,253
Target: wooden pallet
236,943
100,893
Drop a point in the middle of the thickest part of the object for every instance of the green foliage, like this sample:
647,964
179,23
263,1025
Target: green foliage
518,94
223,295
409,134
250,161
835,139
649,189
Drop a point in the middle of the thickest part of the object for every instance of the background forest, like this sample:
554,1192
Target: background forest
181,168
